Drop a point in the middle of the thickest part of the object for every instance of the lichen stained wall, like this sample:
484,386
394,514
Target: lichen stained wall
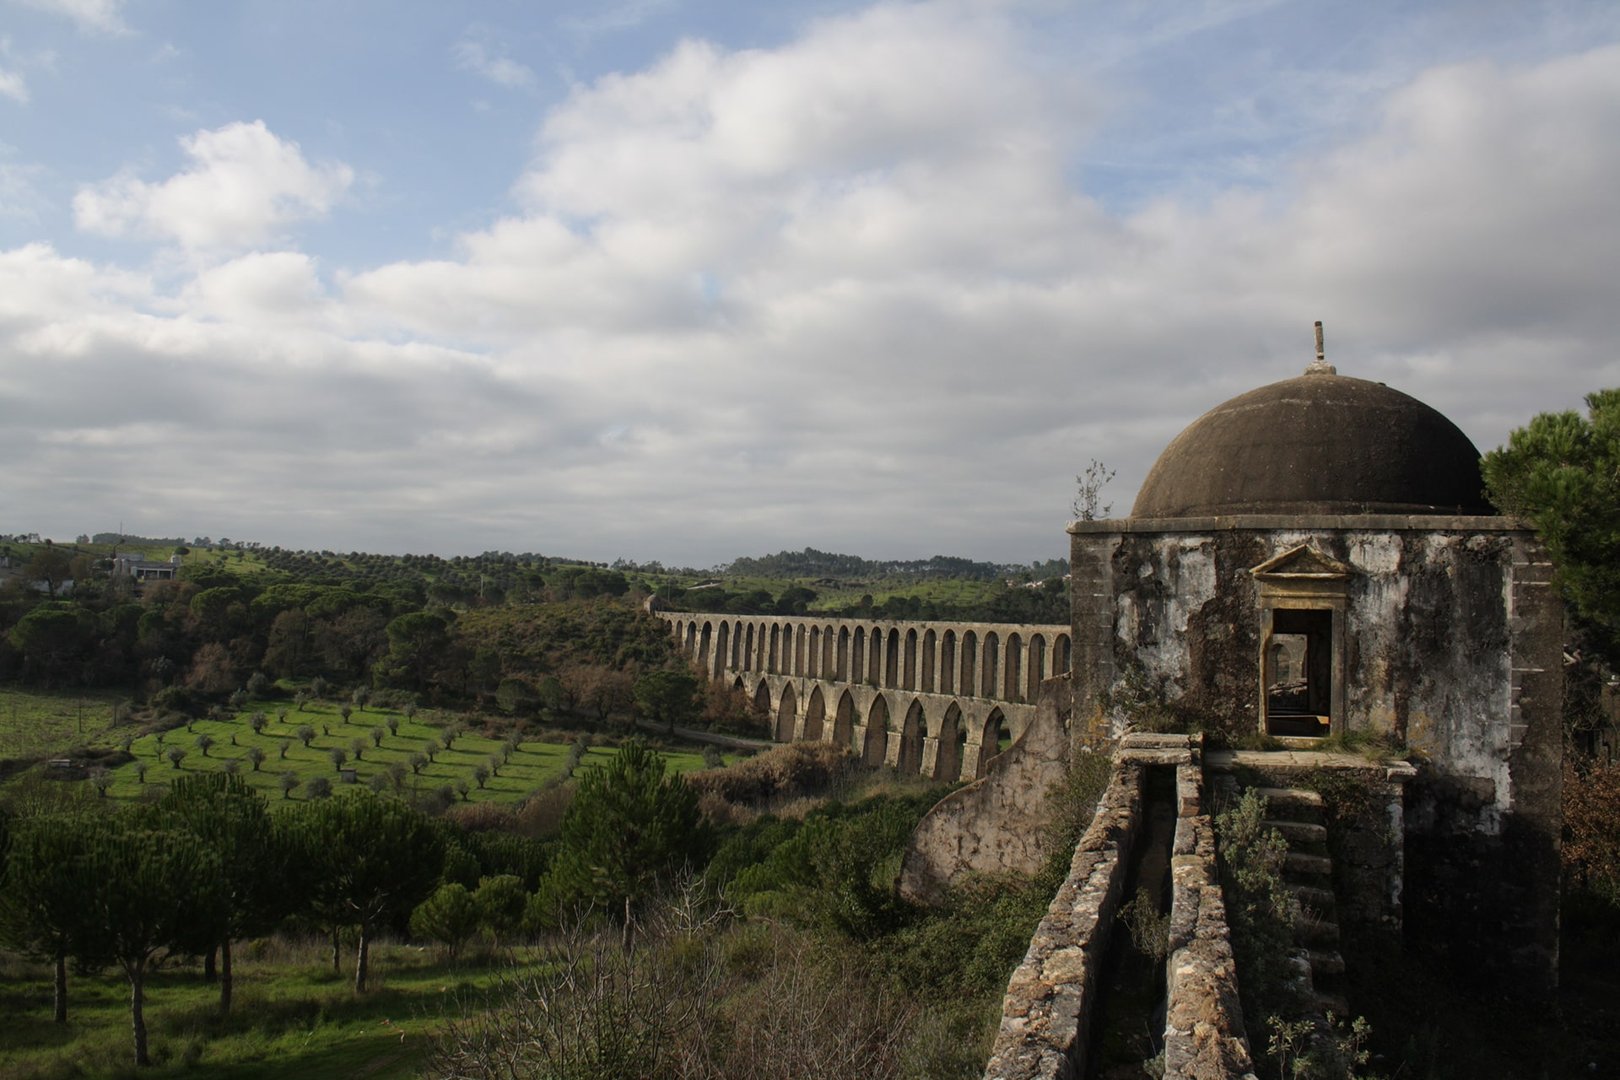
1451,644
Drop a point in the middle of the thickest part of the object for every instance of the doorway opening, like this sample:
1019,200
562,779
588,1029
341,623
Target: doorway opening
1298,666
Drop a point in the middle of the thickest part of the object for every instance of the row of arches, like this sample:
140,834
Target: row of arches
948,746
1005,664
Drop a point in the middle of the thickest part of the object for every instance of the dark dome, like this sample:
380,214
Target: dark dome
1318,444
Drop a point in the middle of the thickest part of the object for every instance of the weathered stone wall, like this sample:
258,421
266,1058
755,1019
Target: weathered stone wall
1051,994
1203,1028
998,823
1451,643
1049,1007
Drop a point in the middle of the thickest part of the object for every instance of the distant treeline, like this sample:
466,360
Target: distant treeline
826,564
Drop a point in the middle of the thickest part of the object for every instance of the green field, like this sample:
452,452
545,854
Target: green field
43,724
35,723
532,764
293,1016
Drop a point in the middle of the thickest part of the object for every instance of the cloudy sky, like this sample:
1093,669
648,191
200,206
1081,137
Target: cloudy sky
692,279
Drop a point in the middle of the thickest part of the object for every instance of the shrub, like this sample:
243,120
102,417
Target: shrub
449,917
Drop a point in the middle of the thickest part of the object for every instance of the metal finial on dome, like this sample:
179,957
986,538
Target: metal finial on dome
1320,366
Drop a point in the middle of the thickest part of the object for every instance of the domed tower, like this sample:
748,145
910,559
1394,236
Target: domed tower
1316,557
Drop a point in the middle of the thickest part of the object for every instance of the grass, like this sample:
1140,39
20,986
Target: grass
293,1016
532,764
34,723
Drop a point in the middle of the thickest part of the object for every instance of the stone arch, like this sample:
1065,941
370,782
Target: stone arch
691,639
762,699
891,660
877,731
952,739
773,658
815,669
787,713
911,739
722,649
748,653
1037,664
825,665
995,737
970,662
1012,674
1061,650
815,712
990,646
705,644
874,659
947,663
929,643
736,645
908,676
841,662
844,722
737,685
799,658
858,655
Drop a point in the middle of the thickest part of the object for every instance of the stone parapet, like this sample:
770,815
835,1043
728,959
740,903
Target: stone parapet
1203,1029
1051,994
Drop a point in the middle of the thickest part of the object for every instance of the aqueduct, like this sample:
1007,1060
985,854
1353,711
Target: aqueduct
935,698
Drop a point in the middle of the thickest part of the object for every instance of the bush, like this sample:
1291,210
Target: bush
628,832
449,917
783,772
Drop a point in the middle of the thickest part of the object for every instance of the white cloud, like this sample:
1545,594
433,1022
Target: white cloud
843,292
479,53
13,86
244,186
102,16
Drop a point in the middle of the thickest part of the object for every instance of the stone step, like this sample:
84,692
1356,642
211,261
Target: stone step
1318,932
1308,866
1299,833
1313,898
1293,804
1326,962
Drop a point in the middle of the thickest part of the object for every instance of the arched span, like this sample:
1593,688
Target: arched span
1061,655
947,663
762,699
952,739
911,739
1012,678
994,739
991,647
877,732
891,661
970,662
773,660
841,661
844,722
816,670
874,658
1037,664
722,650
908,677
787,714
858,656
815,712
929,647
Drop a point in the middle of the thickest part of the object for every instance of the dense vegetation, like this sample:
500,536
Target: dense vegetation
205,775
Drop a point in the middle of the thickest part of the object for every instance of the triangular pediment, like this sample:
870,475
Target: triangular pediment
1302,563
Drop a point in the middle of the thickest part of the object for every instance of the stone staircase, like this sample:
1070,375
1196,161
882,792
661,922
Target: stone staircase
1299,815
